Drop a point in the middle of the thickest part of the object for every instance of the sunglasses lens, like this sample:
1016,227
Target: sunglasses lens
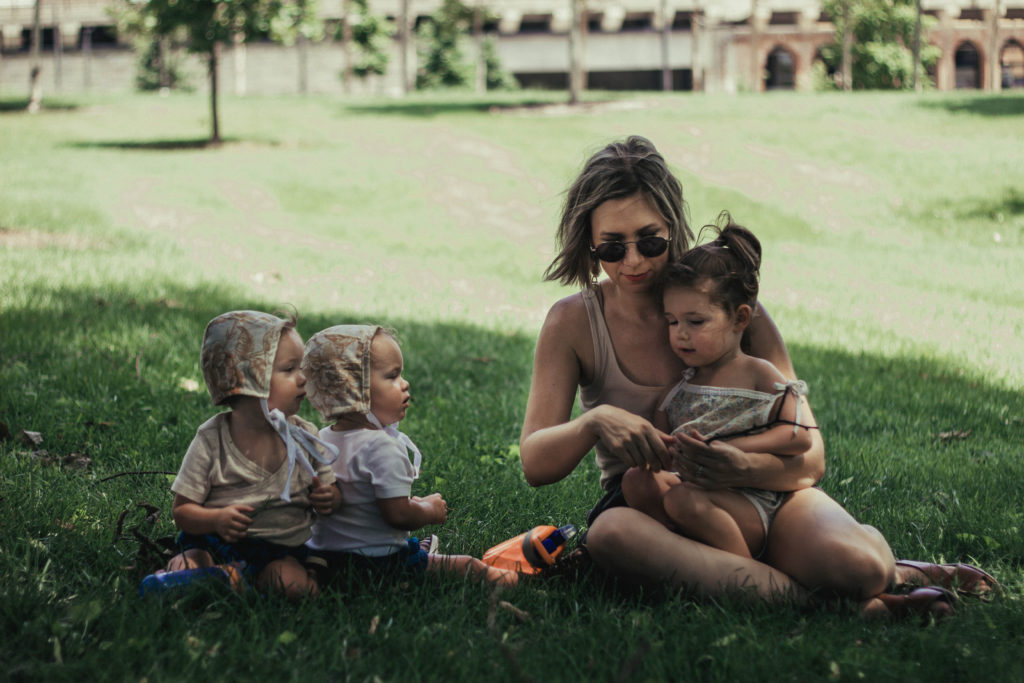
610,251
652,246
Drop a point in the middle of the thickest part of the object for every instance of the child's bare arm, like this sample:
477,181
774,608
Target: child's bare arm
781,439
326,498
230,523
413,513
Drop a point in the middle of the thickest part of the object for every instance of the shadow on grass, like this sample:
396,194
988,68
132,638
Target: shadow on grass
115,376
1006,104
153,145
20,105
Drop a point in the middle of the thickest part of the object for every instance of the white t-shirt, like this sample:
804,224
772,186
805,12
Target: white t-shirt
371,465
216,474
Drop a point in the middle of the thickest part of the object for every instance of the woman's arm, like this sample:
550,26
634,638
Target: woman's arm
551,445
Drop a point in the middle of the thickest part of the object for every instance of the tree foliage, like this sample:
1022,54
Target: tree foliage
371,36
442,60
883,42
202,26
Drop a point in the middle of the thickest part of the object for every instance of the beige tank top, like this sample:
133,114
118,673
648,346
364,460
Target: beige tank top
611,386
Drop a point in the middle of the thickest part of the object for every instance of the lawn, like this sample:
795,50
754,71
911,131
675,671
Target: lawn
893,228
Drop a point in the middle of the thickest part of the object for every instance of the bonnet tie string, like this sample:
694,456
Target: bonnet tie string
392,431
289,433
798,387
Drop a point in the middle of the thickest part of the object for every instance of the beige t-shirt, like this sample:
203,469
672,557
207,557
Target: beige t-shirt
216,474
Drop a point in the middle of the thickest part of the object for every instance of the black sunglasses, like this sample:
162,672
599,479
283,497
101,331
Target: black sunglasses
649,246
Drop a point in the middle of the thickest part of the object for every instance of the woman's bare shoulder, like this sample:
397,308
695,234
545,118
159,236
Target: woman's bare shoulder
567,314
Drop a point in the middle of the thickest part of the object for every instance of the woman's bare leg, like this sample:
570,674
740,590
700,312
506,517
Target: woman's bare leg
631,545
822,547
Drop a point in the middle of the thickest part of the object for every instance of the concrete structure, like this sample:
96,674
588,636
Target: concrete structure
713,45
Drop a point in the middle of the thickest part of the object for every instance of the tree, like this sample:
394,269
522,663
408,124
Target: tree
371,37
35,91
209,24
442,58
444,64
879,42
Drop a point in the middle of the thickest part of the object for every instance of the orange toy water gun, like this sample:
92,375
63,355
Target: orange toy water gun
532,551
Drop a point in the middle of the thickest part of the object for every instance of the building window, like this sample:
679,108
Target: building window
783,19
682,21
46,36
780,70
535,23
968,67
971,15
1011,65
98,37
638,21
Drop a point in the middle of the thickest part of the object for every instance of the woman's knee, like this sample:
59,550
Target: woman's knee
822,547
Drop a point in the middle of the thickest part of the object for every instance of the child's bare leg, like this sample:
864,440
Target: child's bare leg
721,518
645,490
190,559
289,577
472,568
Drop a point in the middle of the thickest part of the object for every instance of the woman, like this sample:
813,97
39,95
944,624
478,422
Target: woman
625,215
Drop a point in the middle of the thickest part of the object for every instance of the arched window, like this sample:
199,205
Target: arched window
1011,65
780,70
968,66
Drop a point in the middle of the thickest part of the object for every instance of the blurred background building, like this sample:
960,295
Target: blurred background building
709,45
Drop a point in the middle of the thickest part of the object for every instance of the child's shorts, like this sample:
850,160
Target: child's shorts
255,553
329,565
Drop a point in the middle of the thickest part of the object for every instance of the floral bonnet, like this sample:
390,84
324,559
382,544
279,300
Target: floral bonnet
238,354
337,370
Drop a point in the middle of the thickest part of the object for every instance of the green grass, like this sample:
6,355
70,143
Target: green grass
893,228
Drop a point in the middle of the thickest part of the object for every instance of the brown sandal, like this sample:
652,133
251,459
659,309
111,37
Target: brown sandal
965,579
926,602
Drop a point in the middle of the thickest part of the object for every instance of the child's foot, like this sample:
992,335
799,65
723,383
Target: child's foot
429,544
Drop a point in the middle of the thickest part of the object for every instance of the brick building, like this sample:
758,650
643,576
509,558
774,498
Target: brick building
713,45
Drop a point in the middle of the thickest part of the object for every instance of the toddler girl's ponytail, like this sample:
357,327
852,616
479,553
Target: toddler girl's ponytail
730,263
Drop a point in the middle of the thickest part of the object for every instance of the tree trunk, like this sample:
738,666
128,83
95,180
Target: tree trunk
917,49
214,119
755,41
403,41
35,88
346,46
995,74
478,41
847,48
576,85
666,32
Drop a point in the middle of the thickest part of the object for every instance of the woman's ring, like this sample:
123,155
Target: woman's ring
700,471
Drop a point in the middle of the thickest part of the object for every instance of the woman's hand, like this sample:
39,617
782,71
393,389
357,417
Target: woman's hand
632,438
715,465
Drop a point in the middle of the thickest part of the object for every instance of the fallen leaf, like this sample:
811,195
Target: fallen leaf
31,438
956,434
374,623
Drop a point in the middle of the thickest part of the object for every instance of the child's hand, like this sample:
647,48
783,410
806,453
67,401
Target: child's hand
438,508
233,521
325,497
